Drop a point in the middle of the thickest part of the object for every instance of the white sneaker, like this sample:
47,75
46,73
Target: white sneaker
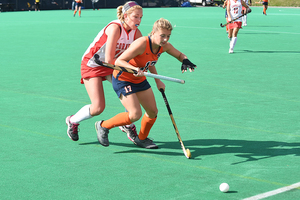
230,50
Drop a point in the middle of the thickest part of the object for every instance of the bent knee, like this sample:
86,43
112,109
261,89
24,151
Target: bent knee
134,116
96,110
152,113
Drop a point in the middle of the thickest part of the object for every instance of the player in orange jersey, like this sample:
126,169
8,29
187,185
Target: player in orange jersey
78,7
265,5
110,43
134,90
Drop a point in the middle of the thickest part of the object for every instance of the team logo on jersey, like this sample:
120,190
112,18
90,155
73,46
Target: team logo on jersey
122,46
158,55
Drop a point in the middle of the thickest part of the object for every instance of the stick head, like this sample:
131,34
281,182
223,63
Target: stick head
188,154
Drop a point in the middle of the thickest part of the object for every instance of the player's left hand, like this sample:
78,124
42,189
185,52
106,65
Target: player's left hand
249,10
186,63
160,84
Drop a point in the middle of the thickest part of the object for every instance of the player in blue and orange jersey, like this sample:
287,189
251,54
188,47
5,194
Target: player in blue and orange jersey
134,90
265,5
78,5
110,43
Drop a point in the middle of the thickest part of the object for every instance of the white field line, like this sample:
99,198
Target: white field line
274,192
218,28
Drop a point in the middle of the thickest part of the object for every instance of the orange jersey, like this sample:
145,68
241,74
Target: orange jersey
144,61
265,0
78,1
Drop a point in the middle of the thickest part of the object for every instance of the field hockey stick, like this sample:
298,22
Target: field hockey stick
223,25
186,152
124,69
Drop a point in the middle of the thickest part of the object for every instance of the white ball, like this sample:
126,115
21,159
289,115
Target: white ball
224,187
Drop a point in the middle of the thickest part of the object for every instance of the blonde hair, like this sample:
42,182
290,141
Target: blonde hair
120,13
161,24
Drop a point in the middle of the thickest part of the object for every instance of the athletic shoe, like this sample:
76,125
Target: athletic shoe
72,129
230,50
102,134
130,130
146,143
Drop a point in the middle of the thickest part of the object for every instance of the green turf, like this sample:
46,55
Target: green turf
237,113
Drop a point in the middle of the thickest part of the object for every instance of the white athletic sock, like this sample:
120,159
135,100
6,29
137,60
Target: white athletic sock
232,42
82,114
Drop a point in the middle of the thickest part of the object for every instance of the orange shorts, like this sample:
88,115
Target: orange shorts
90,72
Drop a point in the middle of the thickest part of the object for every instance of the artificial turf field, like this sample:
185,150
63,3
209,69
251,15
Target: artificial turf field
237,113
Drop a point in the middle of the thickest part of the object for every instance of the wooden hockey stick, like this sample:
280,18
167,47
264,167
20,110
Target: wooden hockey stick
186,152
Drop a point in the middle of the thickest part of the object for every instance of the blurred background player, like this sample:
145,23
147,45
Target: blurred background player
234,10
78,5
134,90
94,4
265,5
110,43
226,16
37,5
244,11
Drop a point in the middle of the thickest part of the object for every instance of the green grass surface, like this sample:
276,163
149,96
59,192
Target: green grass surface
237,113
291,3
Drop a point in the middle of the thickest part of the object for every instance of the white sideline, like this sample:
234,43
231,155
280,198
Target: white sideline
274,192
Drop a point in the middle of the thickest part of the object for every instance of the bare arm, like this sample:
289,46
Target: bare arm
228,11
244,4
158,82
186,63
225,4
136,48
113,33
171,50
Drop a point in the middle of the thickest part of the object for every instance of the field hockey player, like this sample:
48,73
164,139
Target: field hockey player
110,43
134,90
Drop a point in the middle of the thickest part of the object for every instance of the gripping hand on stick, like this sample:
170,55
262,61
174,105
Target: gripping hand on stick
248,10
186,63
